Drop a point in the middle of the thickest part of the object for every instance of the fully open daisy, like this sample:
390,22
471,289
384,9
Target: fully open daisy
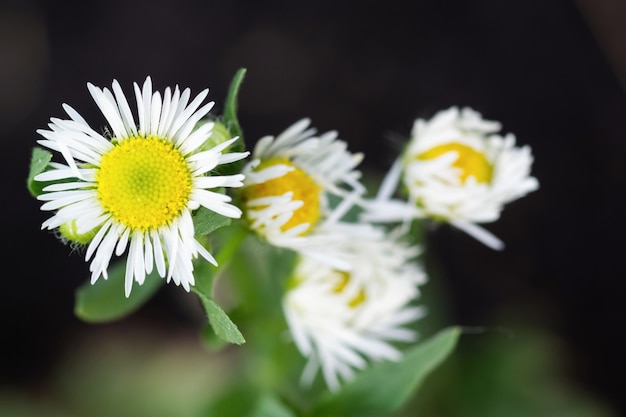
136,190
456,168
288,185
342,320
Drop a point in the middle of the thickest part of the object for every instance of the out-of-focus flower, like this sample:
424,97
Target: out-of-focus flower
342,320
456,168
137,189
288,185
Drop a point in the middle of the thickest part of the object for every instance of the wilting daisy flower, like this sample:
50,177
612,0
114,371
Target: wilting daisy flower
456,168
288,184
340,321
137,189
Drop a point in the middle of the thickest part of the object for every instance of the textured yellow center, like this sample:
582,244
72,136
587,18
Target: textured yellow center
144,183
470,162
303,187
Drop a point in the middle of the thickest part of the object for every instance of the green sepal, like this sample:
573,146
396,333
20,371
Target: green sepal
387,386
219,320
104,301
39,161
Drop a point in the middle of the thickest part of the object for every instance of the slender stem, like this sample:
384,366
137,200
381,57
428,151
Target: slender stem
228,249
232,237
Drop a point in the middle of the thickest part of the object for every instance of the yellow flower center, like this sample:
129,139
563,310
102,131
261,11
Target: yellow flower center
340,279
303,187
344,279
470,162
144,182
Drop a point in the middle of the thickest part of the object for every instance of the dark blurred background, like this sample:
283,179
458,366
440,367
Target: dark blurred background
552,72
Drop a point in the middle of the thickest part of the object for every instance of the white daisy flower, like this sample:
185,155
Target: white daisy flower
341,320
137,190
288,184
456,168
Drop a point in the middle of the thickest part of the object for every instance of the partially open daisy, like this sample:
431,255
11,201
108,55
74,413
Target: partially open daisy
341,321
456,168
288,184
137,189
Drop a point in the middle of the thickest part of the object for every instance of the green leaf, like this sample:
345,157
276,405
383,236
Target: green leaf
246,400
230,110
269,406
231,122
387,386
206,221
235,401
219,320
39,160
210,340
104,301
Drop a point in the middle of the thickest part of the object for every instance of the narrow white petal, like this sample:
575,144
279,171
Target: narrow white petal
479,233
158,254
165,112
232,157
182,135
135,256
128,276
125,112
108,109
390,182
205,253
209,200
155,113
122,242
220,181
187,112
148,255
141,111
147,105
197,138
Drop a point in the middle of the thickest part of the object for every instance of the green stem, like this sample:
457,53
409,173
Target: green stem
229,248
207,274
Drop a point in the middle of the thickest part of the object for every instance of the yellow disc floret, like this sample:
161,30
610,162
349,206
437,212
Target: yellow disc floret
303,187
342,283
144,182
470,162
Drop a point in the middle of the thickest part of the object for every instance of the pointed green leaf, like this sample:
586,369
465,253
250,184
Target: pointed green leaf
39,160
387,386
231,122
104,301
219,320
230,110
206,221
210,340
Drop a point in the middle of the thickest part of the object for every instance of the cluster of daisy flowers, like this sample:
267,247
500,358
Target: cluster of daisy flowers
351,297
351,293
